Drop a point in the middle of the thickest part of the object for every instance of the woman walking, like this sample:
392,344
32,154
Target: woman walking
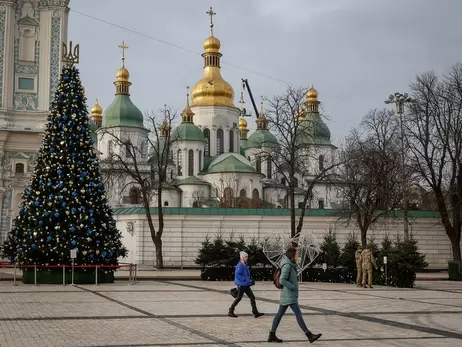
289,296
243,282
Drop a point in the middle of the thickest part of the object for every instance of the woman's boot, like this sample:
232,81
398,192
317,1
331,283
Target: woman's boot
273,338
313,337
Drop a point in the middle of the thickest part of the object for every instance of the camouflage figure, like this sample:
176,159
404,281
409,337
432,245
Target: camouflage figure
359,266
367,262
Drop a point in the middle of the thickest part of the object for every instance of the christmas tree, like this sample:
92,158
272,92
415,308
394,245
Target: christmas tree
65,206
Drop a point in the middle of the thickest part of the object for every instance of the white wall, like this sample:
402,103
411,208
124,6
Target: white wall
183,235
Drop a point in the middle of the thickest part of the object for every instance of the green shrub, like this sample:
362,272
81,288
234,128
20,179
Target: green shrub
330,250
347,257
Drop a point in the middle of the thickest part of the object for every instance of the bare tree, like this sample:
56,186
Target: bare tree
141,166
371,171
231,190
297,153
434,134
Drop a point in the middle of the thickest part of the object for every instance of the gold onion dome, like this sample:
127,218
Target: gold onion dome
242,123
96,110
122,75
312,94
212,89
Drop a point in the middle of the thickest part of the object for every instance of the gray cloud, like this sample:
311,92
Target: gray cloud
355,52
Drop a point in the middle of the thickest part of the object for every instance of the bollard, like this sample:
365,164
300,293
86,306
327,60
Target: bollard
135,280
130,274
96,275
14,278
35,274
72,274
64,275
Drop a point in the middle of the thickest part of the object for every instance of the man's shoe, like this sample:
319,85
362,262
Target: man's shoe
231,314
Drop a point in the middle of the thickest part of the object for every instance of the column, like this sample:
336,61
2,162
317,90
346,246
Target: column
52,34
7,34
213,141
225,139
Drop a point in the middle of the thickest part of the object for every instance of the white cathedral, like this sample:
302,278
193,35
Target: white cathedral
216,163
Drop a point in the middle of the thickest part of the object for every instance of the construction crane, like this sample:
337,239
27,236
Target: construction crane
245,84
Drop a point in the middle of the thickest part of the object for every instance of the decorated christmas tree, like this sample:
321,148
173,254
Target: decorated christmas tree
65,206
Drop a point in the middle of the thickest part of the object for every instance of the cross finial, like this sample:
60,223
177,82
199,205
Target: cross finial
211,14
123,47
187,92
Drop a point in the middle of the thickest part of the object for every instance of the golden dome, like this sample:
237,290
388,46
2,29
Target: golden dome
122,75
311,94
242,123
212,44
212,89
96,110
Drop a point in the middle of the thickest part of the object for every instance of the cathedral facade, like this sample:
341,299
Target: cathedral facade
31,36
215,162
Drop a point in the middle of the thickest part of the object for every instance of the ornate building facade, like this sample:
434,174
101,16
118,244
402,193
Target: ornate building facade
31,35
214,161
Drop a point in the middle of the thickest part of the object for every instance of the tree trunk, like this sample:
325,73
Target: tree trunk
292,212
364,238
159,256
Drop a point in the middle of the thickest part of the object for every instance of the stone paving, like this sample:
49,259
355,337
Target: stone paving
193,313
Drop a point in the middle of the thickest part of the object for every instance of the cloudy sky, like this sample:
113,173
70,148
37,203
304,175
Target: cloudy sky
354,52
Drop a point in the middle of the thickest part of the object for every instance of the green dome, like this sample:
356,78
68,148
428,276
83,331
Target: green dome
188,132
313,131
262,138
230,162
122,113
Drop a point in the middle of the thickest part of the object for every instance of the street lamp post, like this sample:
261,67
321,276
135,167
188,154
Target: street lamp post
399,100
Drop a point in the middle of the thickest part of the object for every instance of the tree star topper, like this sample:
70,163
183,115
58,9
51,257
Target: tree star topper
71,57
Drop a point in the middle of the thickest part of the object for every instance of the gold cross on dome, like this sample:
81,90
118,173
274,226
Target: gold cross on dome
123,47
211,14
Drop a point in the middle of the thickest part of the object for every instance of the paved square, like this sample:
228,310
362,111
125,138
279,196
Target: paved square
193,313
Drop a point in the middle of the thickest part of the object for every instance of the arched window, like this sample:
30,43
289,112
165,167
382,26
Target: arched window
27,46
207,142
219,141
255,199
19,168
171,174
258,164
321,162
179,159
242,194
195,204
190,162
134,196
200,160
128,150
295,182
269,172
166,203
283,181
231,141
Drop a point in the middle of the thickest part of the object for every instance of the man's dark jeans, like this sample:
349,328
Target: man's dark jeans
241,290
